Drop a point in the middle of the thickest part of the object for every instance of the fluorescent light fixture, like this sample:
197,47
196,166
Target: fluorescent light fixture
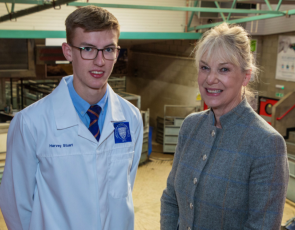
54,41
62,62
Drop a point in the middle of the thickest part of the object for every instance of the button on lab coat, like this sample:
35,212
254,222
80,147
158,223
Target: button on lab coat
57,176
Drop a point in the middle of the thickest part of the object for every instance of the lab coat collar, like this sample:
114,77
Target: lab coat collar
63,108
66,115
115,107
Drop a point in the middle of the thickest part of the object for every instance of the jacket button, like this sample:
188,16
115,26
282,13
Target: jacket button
204,157
191,205
212,133
195,180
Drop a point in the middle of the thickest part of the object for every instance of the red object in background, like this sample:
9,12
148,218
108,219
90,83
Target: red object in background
265,107
281,117
205,106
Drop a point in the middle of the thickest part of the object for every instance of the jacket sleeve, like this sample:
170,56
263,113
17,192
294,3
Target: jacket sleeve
18,183
137,150
169,205
268,184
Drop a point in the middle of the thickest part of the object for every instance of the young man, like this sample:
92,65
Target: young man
72,156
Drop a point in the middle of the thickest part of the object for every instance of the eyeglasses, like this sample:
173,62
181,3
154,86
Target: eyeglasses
90,53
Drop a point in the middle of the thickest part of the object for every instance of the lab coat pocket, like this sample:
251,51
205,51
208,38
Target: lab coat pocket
119,174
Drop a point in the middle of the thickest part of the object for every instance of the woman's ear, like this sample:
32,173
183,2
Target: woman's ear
67,51
247,77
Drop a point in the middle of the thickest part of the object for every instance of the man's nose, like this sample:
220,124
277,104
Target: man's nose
99,60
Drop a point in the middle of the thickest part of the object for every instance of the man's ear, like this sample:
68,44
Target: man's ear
247,77
67,51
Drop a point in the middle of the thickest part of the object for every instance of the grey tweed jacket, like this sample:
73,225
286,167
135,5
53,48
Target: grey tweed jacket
226,179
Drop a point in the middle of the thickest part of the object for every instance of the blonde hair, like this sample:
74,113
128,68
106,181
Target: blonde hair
230,43
90,18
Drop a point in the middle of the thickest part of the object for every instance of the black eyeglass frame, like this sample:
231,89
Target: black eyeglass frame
81,48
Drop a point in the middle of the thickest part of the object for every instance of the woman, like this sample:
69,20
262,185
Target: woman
230,168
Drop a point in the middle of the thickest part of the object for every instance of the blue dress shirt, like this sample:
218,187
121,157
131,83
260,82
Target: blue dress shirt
82,106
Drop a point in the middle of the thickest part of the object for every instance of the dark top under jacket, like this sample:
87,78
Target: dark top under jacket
230,178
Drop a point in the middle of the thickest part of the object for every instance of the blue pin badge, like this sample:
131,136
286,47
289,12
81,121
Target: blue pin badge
122,132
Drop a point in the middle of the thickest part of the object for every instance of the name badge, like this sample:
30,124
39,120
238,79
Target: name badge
122,132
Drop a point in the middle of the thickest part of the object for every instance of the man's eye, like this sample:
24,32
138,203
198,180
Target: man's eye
88,49
109,50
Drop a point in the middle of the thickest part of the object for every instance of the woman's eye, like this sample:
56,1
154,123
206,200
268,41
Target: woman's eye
204,67
88,49
109,49
224,69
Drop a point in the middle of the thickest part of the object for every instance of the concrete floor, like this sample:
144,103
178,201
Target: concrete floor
149,185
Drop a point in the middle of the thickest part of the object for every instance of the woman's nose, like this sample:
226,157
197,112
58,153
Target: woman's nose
212,78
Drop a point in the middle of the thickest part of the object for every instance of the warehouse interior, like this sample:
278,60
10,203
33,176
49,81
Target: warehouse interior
156,71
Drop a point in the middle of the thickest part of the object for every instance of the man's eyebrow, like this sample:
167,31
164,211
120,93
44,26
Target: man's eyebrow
88,44
112,44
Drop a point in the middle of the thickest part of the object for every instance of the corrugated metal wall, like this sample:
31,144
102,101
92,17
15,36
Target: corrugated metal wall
273,25
131,20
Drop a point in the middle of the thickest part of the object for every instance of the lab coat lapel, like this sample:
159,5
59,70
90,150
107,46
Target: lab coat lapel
65,113
114,114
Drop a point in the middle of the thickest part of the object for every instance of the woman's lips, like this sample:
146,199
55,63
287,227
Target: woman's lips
213,92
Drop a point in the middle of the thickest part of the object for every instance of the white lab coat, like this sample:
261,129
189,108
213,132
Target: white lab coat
57,176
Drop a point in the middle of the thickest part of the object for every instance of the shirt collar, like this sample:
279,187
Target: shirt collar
80,104
232,117
103,101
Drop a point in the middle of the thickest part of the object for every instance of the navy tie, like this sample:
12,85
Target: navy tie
93,113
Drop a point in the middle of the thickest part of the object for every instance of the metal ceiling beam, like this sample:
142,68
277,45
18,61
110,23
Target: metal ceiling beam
192,15
218,7
7,8
37,2
268,4
171,8
232,6
279,5
41,2
32,10
241,20
12,8
34,34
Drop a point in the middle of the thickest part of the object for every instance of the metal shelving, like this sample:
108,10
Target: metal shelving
172,124
145,144
118,83
131,97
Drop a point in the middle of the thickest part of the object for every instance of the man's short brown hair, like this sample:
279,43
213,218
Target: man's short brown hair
90,18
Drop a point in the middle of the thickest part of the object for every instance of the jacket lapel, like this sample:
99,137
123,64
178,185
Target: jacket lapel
114,114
